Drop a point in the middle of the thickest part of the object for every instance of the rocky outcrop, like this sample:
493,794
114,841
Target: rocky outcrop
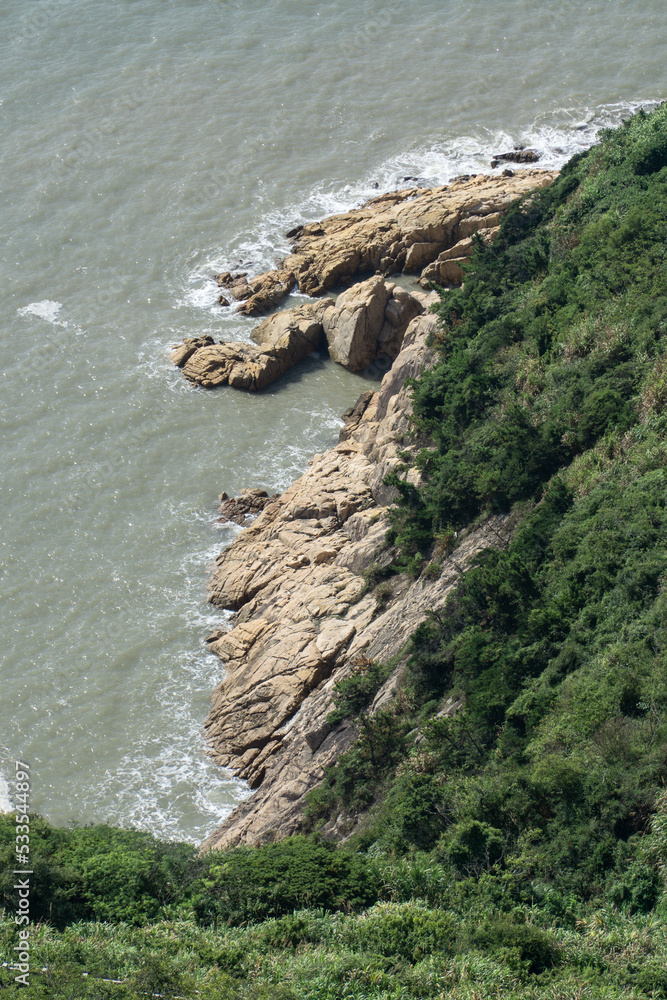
242,509
516,155
295,578
353,327
181,352
257,295
403,231
427,232
400,232
447,268
280,342
303,616
368,320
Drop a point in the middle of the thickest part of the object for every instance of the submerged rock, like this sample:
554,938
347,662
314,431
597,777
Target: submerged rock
243,508
518,155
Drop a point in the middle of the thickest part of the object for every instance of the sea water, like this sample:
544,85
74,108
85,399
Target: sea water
147,145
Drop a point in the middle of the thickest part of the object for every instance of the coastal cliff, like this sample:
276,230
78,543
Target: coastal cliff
299,578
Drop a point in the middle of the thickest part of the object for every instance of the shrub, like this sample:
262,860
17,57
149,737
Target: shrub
250,884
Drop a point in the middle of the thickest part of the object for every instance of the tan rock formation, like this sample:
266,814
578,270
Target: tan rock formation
402,231
447,268
369,319
400,310
258,295
302,615
280,342
293,578
181,352
353,326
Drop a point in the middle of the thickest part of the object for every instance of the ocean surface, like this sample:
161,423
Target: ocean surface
146,145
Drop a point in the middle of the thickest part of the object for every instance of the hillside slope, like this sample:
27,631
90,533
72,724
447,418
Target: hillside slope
503,812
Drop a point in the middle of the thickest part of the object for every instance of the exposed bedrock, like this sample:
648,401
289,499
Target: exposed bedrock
423,232
398,232
295,578
403,231
302,614
367,321
257,295
280,342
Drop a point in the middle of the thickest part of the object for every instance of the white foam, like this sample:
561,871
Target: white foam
5,798
47,309
556,136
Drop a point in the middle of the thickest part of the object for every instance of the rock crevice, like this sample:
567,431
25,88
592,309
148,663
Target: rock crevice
426,232
294,577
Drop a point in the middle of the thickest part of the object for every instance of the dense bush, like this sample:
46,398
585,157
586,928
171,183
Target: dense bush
544,349
99,872
548,401
248,884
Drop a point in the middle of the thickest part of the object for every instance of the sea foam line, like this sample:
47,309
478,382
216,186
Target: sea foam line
556,136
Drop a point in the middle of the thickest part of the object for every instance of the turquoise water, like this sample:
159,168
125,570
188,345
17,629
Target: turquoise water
146,146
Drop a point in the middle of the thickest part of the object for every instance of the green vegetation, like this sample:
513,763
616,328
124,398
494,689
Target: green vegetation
506,812
386,927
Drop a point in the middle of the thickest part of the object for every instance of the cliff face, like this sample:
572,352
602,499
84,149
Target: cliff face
303,618
303,615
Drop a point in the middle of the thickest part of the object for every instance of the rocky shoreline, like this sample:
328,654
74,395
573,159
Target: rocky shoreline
423,232
299,578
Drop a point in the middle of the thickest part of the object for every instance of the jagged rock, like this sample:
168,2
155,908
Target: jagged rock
447,269
258,295
399,312
243,508
296,332
281,341
369,320
242,366
353,415
293,577
236,284
399,231
181,352
515,156
353,326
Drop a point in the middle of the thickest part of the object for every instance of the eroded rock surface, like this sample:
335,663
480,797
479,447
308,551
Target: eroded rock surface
303,617
447,268
368,320
294,578
257,295
403,231
242,509
281,341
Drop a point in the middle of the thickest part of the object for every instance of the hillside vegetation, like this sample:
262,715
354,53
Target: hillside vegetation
517,847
